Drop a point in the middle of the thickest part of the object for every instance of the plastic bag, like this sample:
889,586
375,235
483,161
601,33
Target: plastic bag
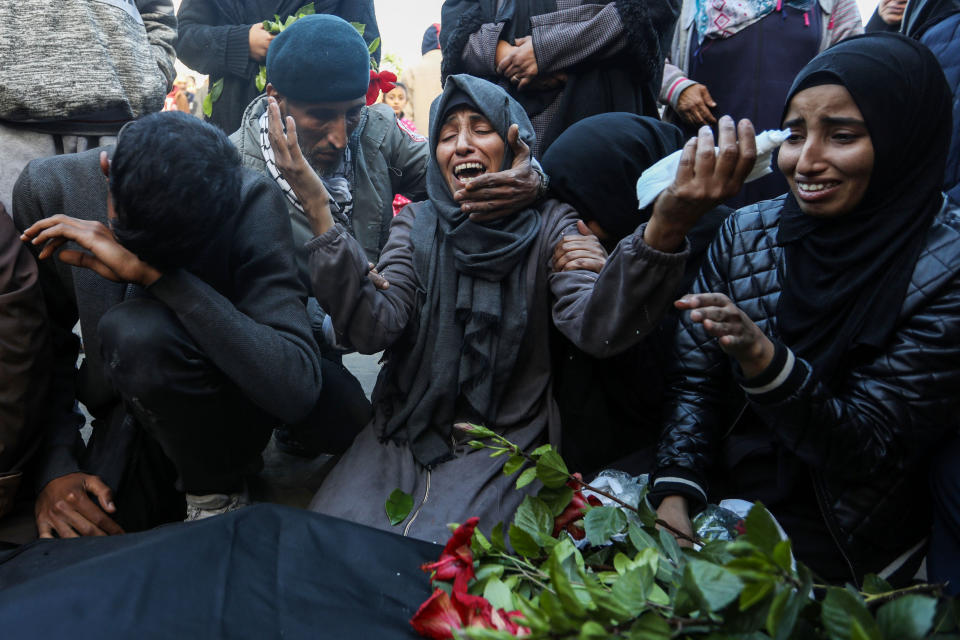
660,176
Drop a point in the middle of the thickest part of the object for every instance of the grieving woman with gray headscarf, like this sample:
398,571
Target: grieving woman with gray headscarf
464,323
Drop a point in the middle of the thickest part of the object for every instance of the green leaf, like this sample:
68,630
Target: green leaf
542,449
476,444
359,26
712,585
306,10
398,506
534,517
640,539
525,478
513,464
496,537
907,618
523,543
593,631
857,632
776,611
216,89
551,606
872,583
601,523
838,611
487,571
480,543
761,528
631,589
498,594
561,585
783,556
754,593
556,498
374,45
551,469
650,626
261,79
670,547
207,106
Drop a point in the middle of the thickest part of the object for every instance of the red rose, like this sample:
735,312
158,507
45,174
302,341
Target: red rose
436,618
456,560
574,511
441,614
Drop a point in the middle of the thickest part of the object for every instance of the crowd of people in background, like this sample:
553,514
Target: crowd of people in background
180,277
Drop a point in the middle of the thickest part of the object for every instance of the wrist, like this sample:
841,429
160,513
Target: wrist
676,502
150,275
759,358
664,236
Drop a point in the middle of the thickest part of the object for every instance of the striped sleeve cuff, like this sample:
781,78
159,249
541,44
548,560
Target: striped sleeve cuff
675,481
782,377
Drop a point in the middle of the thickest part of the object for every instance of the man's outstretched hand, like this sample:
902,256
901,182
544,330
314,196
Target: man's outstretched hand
65,508
495,195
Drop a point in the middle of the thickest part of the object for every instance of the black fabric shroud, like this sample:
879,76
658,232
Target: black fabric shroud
846,276
266,571
475,310
594,165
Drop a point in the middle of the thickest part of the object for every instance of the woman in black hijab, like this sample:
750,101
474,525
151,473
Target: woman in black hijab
838,308
611,405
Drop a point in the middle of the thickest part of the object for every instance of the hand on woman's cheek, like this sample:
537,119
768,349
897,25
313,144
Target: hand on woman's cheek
736,333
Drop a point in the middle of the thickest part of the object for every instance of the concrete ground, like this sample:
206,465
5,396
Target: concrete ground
285,479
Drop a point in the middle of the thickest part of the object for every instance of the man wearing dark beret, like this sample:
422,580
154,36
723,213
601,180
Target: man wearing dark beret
318,74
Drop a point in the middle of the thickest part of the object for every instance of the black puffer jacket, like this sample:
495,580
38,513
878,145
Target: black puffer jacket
866,442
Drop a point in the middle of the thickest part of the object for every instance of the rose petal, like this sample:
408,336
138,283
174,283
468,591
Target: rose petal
437,617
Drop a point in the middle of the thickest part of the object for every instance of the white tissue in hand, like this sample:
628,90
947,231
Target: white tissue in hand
660,176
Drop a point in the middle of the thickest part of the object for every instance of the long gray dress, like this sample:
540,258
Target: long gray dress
602,314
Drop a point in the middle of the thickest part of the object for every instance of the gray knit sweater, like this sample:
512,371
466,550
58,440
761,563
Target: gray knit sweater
84,66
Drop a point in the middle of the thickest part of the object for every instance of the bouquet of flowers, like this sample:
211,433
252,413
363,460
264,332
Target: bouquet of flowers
627,577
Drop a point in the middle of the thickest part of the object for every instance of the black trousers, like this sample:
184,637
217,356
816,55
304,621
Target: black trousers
197,432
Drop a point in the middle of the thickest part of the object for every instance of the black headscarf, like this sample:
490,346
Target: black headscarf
594,165
845,277
474,314
920,15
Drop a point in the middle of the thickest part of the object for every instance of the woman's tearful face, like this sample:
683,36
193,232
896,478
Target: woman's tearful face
468,146
828,158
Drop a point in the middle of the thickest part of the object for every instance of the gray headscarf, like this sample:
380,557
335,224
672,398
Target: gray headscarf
475,312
